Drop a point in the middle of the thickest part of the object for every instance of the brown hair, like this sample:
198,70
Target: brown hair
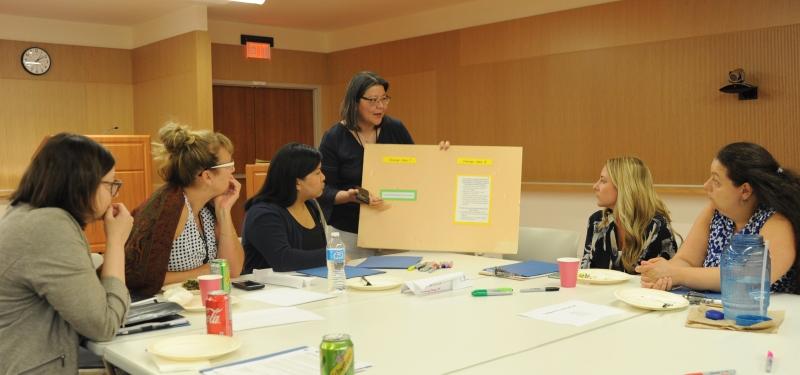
185,153
65,173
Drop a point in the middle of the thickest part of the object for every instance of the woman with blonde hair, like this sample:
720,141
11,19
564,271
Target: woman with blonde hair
187,222
634,224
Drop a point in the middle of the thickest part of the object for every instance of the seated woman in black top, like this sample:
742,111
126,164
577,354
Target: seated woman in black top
634,224
283,227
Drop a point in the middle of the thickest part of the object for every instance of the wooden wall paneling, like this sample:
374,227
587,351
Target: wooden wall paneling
255,174
577,87
285,66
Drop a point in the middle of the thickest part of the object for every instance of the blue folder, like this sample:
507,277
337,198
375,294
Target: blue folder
528,268
390,262
351,272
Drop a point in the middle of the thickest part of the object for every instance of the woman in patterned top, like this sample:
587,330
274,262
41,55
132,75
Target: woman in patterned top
634,223
751,194
187,222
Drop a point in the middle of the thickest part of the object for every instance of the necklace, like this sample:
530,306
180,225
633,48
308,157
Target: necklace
377,134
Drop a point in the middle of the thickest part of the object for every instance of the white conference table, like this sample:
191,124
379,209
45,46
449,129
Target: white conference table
468,264
455,332
659,343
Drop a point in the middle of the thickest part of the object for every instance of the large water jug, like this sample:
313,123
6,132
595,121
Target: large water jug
745,276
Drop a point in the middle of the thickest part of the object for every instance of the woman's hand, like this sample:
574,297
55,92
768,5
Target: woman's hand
349,196
657,273
444,145
118,224
227,199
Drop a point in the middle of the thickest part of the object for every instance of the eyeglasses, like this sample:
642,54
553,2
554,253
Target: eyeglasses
114,186
223,165
374,101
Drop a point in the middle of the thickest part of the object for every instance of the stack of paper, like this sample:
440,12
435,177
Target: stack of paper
289,279
573,312
296,361
287,297
271,317
436,284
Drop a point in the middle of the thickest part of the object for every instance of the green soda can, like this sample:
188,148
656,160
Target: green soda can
221,267
336,355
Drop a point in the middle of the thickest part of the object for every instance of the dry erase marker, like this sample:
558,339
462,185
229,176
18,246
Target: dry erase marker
545,289
715,372
492,292
768,367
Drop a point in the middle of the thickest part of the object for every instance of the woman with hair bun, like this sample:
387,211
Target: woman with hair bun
187,222
749,193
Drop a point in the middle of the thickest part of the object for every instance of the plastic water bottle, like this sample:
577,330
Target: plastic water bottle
745,276
335,255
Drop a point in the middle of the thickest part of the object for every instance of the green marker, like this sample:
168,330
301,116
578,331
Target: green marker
492,292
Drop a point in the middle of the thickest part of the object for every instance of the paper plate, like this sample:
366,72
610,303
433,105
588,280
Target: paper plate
602,276
651,299
193,347
378,283
196,305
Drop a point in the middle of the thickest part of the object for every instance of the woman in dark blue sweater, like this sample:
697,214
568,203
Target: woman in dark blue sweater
284,228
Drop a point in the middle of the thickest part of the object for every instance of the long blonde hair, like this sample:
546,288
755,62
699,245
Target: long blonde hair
185,153
637,204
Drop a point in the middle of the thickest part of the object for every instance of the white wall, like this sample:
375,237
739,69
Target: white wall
571,210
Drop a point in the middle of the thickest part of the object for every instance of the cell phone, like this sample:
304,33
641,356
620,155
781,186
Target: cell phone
247,285
362,195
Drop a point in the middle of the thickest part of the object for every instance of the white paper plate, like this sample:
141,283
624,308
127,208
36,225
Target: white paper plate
179,285
602,276
193,347
378,283
196,305
651,299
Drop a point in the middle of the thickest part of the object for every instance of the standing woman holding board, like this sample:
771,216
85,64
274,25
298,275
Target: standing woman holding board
363,120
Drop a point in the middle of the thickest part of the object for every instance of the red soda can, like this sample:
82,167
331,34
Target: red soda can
218,313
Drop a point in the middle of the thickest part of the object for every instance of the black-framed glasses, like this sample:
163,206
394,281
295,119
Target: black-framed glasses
374,101
114,186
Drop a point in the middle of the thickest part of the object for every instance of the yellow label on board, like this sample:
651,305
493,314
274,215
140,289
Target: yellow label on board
474,161
399,160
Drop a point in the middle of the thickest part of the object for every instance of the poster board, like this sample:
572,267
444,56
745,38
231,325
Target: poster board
464,199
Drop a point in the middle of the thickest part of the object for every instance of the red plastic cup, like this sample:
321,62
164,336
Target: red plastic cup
207,284
568,271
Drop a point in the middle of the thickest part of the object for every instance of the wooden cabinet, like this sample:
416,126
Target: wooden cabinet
133,166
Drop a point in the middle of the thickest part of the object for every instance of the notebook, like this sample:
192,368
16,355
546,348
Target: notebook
351,272
523,270
390,262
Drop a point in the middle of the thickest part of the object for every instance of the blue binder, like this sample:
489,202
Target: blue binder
390,262
530,268
351,272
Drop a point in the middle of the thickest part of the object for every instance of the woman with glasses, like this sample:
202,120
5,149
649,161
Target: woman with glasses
363,120
634,224
51,292
187,222
284,228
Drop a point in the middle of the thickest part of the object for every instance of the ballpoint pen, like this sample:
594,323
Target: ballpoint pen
154,326
545,289
492,292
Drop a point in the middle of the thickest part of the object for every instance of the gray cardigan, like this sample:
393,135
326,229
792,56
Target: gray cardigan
50,293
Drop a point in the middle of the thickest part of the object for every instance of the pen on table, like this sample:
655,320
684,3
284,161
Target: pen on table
492,292
154,326
145,301
768,367
545,289
715,372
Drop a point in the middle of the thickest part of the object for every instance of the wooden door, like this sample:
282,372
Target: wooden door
133,164
259,120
